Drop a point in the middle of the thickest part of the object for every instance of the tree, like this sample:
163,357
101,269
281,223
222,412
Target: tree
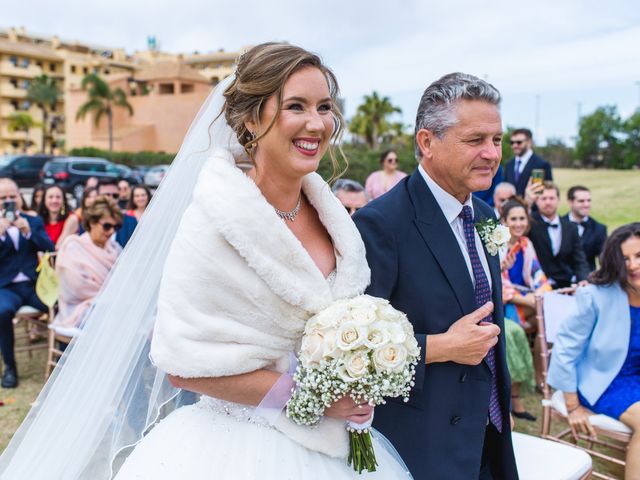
631,145
371,119
101,101
22,122
599,138
45,93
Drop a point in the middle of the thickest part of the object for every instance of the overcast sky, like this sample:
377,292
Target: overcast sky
566,53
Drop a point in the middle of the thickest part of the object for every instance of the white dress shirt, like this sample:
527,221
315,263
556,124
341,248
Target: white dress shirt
451,208
579,224
555,234
523,160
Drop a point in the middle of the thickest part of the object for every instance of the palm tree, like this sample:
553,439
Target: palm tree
22,122
101,102
44,91
370,120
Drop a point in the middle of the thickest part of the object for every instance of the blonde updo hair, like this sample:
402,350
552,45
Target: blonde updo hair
101,206
261,73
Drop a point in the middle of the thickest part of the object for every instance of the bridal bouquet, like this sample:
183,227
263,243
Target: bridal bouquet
361,347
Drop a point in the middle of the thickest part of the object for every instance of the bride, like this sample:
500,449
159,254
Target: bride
261,246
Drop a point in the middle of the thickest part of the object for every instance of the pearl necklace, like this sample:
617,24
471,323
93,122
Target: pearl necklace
292,214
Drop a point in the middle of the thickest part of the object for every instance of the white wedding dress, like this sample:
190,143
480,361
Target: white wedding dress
220,440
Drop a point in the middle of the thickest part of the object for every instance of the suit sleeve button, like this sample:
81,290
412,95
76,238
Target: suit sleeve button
455,419
463,377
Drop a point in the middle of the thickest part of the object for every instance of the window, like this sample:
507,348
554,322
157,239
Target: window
15,104
73,69
14,82
107,71
26,105
25,63
13,60
88,167
166,89
39,64
186,88
52,67
85,70
25,84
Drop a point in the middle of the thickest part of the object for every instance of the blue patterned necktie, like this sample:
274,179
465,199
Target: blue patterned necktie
483,295
516,170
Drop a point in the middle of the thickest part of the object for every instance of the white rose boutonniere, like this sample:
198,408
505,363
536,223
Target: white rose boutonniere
493,234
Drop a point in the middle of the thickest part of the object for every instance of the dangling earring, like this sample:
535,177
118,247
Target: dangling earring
252,141
62,211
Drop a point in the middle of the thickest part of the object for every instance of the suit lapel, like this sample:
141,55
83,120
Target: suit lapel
441,241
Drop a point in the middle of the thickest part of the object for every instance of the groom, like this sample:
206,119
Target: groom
427,258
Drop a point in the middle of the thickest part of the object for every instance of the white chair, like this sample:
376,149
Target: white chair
538,459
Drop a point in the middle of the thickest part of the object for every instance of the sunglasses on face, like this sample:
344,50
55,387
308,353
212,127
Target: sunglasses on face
112,195
107,227
517,142
391,160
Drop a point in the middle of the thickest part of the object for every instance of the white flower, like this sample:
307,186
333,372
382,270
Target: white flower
312,348
390,357
350,336
492,248
354,366
387,312
364,316
500,235
413,349
395,331
330,348
377,335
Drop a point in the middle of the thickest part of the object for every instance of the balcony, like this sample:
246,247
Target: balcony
9,69
8,90
6,109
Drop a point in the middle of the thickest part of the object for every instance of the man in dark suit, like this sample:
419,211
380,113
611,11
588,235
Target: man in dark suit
557,242
592,233
518,169
21,238
109,188
427,258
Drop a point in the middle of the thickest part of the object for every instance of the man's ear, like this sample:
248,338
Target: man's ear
424,140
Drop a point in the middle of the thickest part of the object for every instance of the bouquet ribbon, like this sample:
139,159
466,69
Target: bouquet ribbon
274,402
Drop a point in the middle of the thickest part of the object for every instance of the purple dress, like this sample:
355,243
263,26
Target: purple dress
624,390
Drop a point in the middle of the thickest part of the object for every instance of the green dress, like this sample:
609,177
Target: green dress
519,359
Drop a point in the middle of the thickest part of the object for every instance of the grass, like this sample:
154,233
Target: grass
615,193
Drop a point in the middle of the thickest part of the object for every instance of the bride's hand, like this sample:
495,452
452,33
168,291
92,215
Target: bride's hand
347,409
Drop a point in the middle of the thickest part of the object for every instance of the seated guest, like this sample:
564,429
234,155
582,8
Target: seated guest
522,277
21,238
55,213
503,192
351,194
592,234
557,242
84,261
124,194
381,181
596,356
139,201
109,188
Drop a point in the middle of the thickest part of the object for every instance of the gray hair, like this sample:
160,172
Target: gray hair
510,186
436,111
347,185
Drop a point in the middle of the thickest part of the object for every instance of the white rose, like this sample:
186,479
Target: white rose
312,347
356,364
377,335
350,336
492,248
395,331
500,235
330,348
390,357
364,316
387,312
413,349
406,326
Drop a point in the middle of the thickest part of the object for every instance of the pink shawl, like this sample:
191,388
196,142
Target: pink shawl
82,268
375,184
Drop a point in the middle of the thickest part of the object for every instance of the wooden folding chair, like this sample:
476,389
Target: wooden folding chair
56,336
612,434
33,320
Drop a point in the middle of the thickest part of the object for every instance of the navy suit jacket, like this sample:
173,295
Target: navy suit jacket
25,259
417,264
592,240
534,162
129,224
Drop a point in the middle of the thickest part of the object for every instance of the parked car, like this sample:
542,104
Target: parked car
155,175
71,173
23,169
128,174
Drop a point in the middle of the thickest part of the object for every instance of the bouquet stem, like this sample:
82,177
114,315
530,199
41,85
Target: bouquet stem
361,454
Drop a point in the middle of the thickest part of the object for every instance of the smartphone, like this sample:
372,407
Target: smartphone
9,207
537,176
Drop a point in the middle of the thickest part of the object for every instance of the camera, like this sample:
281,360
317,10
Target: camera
9,207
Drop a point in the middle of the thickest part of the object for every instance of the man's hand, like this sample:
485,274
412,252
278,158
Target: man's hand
22,225
532,192
4,224
467,341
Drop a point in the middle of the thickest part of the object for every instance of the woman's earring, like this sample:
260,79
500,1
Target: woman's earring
252,142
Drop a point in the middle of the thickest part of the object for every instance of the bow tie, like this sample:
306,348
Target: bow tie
584,223
552,225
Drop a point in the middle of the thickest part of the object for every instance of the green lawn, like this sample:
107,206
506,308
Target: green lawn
615,193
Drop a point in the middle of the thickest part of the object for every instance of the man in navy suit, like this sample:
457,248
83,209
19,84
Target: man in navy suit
21,238
518,169
427,258
592,233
